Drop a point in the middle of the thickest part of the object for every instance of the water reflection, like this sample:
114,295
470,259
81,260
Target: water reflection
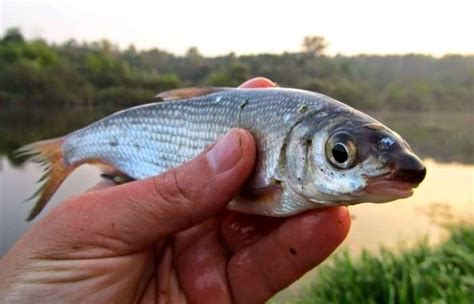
18,183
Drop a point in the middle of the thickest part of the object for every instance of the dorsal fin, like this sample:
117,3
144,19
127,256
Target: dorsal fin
186,93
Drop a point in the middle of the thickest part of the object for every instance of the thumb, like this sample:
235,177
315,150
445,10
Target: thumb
140,213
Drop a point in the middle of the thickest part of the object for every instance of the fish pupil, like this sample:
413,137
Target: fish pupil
340,154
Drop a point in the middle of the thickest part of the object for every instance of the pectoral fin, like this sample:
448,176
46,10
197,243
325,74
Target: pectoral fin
265,201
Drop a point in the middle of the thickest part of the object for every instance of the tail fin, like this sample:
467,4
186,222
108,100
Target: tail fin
49,154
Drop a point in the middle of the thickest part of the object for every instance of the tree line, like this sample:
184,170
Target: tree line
35,72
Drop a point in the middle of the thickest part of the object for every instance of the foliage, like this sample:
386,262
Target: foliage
314,45
443,274
38,73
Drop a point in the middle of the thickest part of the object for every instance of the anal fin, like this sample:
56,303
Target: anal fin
109,172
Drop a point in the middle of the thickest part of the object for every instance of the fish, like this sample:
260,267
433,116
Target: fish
312,150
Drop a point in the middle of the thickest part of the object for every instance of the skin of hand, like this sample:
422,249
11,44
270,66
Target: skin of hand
169,239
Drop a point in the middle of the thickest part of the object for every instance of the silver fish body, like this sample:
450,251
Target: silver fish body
149,139
292,129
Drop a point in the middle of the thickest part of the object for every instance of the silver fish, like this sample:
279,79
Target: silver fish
313,151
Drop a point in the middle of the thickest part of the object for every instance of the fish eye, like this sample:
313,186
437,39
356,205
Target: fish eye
341,150
340,153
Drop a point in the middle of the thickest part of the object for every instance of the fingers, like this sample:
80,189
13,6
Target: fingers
201,264
240,230
297,245
258,82
136,214
168,289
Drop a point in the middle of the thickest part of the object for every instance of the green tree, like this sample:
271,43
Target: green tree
314,45
13,35
35,71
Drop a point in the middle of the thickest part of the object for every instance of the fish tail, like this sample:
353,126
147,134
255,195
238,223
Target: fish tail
49,154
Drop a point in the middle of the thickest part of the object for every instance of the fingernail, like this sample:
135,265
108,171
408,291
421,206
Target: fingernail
226,153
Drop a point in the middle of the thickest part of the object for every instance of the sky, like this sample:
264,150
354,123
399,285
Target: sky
434,27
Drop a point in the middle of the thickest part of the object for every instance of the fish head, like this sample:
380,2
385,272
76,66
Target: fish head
351,159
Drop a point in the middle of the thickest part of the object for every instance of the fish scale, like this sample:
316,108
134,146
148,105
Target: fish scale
177,131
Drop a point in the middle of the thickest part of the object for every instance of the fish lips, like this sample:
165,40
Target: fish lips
383,189
407,172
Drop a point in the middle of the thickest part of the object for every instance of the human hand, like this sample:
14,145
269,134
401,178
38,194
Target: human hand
169,239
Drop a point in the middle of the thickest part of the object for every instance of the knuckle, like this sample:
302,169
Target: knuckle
174,201
168,189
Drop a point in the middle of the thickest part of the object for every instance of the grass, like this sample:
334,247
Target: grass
423,274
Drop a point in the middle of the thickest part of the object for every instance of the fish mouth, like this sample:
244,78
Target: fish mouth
385,188
407,172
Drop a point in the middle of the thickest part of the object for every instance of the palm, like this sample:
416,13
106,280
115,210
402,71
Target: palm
240,258
203,263
191,265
